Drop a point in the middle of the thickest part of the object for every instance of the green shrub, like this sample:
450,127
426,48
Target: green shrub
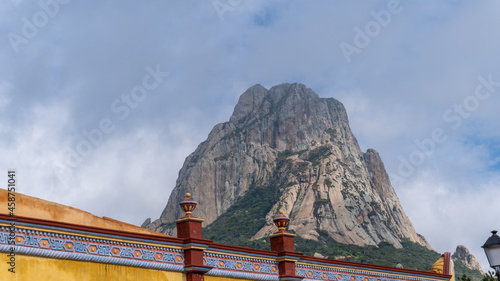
318,153
328,182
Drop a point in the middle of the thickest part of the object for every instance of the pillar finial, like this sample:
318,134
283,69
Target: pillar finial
188,205
281,221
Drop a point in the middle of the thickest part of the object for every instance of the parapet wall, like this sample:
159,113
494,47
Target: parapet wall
54,250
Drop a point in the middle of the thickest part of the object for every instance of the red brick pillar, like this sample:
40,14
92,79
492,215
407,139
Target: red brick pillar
189,229
283,243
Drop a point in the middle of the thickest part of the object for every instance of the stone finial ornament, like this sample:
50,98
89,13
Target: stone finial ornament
188,205
281,221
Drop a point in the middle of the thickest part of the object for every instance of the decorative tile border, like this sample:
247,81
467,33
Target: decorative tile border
62,243
313,272
241,267
76,247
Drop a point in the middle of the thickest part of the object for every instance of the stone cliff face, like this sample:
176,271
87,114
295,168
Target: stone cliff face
463,255
290,138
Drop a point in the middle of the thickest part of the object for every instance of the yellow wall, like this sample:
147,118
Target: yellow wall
215,278
40,269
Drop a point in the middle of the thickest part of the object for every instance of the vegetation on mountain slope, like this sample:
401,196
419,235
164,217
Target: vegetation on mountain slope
247,216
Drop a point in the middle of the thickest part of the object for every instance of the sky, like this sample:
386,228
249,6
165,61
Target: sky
101,101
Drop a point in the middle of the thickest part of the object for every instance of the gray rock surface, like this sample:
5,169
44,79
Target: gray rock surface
468,260
290,137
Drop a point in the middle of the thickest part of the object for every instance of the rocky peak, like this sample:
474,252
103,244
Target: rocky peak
463,255
288,116
290,139
379,178
249,103
257,100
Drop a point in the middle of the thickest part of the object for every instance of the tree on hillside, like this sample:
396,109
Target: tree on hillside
489,276
463,278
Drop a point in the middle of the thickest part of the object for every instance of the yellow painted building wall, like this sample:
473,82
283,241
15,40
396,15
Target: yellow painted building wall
215,278
30,268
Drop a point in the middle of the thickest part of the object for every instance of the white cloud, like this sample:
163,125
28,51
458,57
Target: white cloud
396,90
5,99
447,215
